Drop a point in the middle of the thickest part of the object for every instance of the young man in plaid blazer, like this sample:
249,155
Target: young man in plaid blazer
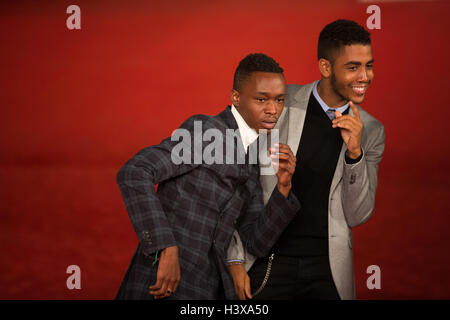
185,227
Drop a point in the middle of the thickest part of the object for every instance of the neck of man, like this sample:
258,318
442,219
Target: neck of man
329,95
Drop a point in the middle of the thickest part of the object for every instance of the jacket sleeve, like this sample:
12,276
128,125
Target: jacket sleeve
137,179
260,226
360,180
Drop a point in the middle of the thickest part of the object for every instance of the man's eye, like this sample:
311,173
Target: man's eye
352,68
281,100
369,66
260,99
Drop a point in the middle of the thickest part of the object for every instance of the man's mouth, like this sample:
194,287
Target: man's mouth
269,124
359,90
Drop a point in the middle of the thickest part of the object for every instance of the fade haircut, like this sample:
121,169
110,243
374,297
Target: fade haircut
254,62
338,34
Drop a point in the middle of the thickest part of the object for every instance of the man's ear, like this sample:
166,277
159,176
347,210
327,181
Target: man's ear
234,96
325,68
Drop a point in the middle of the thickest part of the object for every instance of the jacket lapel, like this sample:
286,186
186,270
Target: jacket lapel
230,123
338,172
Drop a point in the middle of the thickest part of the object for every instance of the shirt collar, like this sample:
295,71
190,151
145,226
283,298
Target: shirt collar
248,135
322,103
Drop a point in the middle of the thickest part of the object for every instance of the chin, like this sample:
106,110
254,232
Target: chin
261,130
357,99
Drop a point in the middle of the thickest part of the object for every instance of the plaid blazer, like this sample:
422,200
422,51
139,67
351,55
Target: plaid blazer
196,207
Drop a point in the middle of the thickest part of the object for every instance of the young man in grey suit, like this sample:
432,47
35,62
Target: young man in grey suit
338,146
205,192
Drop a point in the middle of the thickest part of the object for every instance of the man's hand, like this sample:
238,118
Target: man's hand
284,166
241,281
168,275
351,130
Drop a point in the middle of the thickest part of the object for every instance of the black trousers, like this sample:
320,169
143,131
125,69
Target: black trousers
294,278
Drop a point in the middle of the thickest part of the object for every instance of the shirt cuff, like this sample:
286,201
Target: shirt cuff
349,160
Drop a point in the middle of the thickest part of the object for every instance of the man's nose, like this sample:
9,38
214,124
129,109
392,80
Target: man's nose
271,107
363,76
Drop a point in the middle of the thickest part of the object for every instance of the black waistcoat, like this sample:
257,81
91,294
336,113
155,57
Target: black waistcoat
317,156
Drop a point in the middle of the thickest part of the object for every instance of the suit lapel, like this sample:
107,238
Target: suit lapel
338,171
230,123
297,114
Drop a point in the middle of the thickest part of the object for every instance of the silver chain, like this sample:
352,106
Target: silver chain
266,277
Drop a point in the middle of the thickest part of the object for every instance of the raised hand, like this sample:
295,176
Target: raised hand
284,162
351,130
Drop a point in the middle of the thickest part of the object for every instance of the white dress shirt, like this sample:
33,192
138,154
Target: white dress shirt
248,135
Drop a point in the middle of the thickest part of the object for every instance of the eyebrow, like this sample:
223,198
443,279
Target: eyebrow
267,94
357,63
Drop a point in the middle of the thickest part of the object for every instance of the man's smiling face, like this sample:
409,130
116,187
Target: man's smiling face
352,72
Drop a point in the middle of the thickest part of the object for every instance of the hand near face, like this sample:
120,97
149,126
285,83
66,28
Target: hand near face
284,166
351,130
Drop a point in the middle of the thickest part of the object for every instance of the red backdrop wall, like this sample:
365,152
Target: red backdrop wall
76,104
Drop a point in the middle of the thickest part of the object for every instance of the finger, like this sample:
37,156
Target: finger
248,292
175,285
275,165
346,117
281,156
346,125
284,148
172,287
157,284
345,122
285,166
274,151
286,153
288,163
355,110
337,114
169,291
163,289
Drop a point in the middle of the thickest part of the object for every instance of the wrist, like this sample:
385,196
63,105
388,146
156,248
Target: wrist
354,155
169,250
284,189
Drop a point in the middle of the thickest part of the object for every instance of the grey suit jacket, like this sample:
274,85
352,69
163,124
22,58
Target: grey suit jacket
352,192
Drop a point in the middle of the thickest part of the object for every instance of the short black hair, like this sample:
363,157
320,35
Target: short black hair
254,62
338,34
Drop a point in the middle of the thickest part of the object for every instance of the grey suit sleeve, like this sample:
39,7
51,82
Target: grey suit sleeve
360,180
137,179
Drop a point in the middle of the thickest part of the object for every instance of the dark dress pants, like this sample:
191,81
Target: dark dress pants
294,278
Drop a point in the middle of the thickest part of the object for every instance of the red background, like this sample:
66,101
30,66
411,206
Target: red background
75,105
